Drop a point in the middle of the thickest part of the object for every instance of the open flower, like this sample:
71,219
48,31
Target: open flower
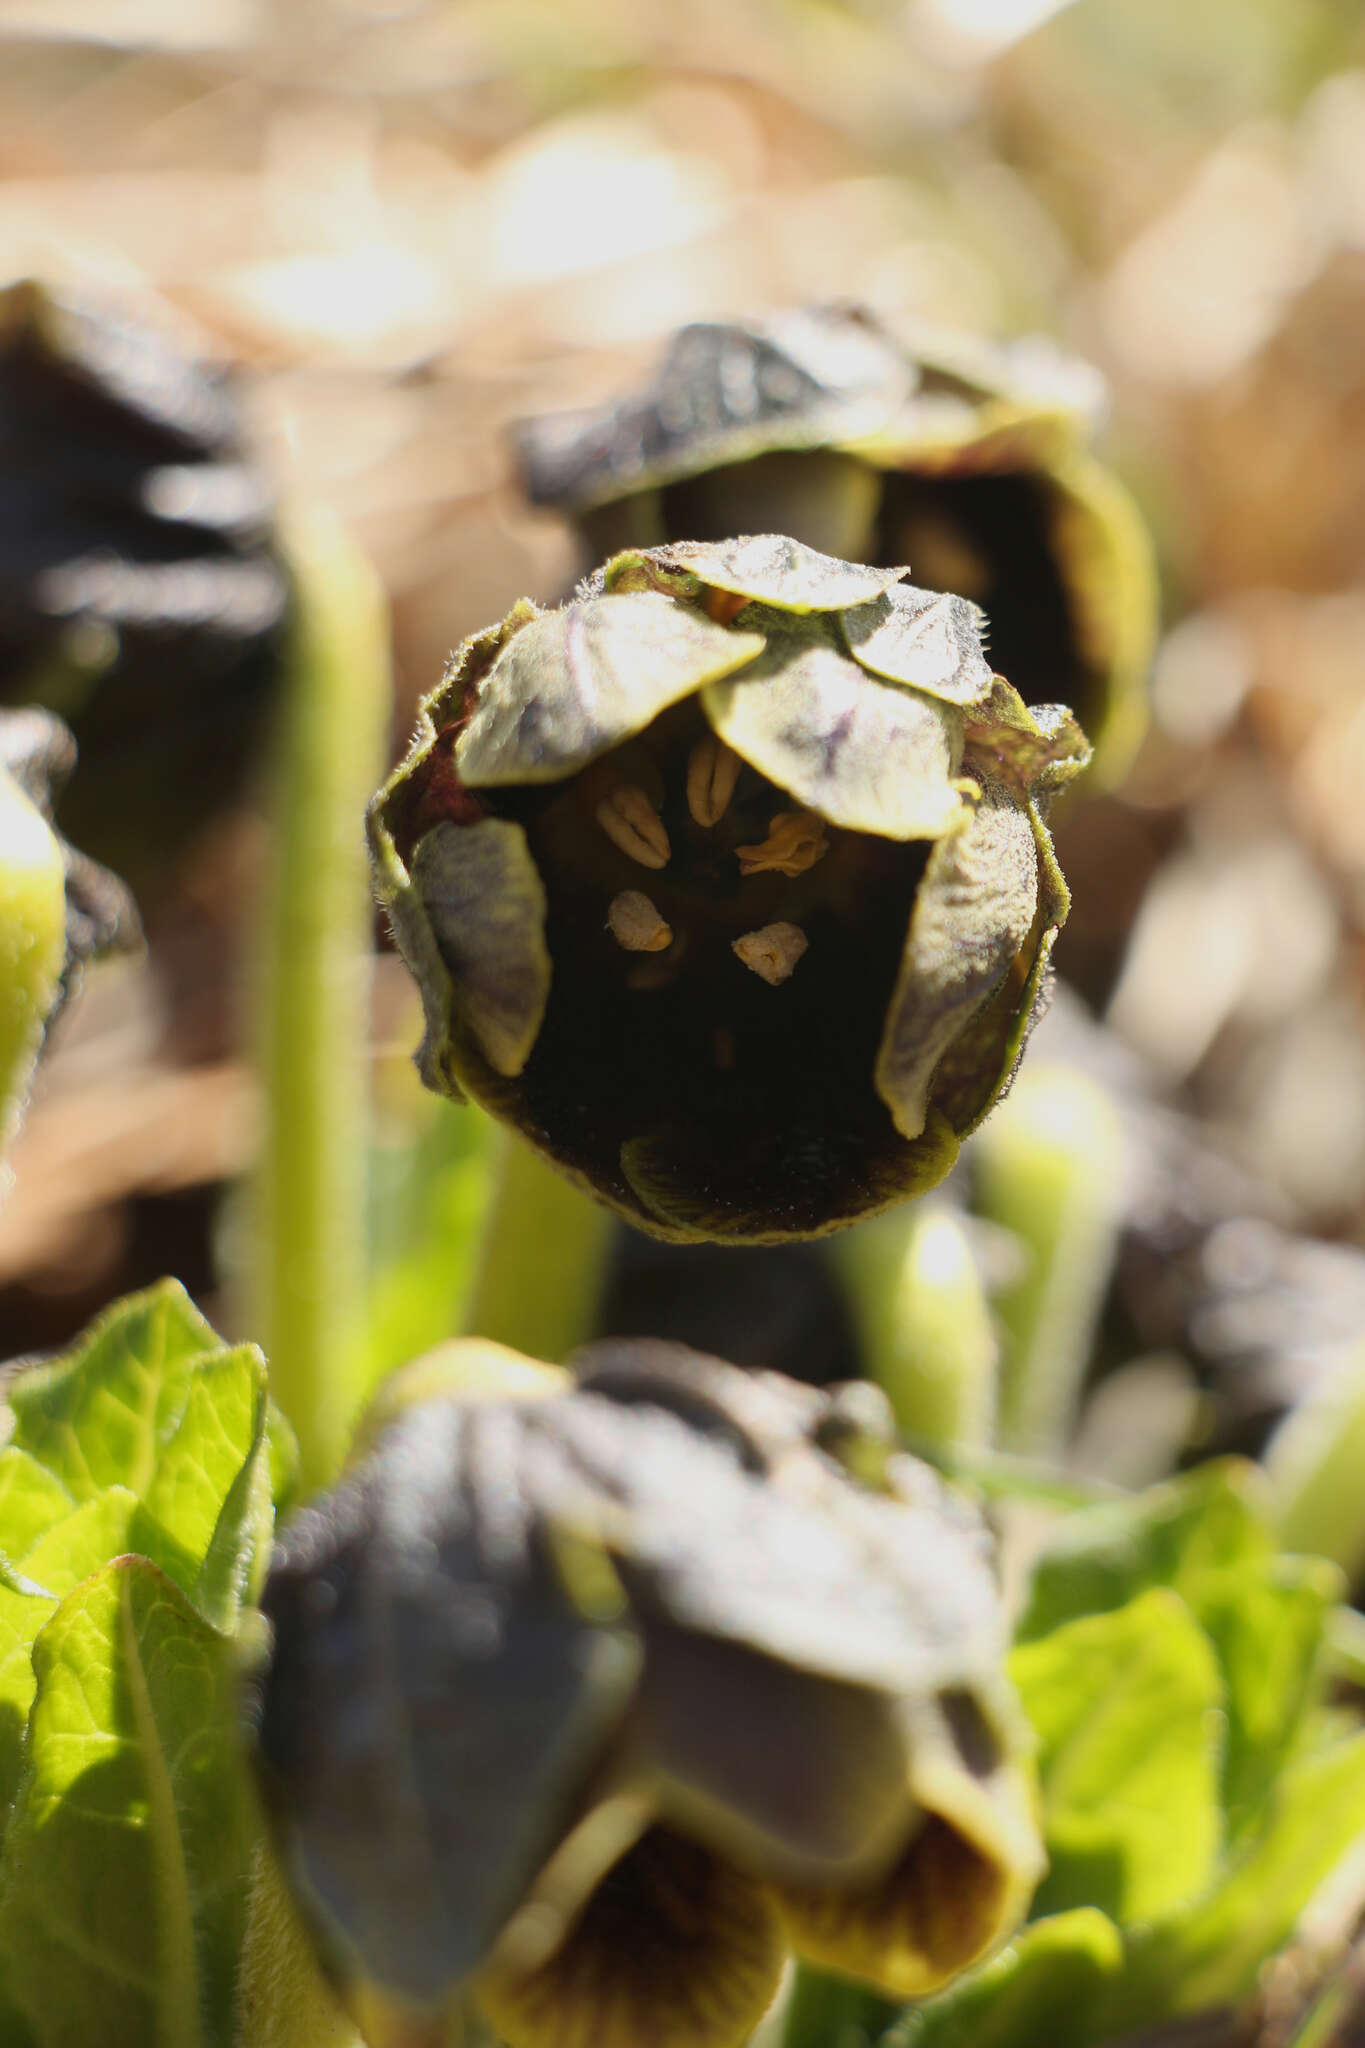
728,884
966,460
596,1699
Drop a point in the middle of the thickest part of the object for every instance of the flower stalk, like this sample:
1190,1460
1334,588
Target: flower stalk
306,1268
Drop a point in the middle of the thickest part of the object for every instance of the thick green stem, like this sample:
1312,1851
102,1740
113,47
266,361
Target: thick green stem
540,1265
924,1321
1316,1463
307,1270
1049,1166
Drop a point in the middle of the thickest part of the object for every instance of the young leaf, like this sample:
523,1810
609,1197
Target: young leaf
1040,1992
31,1500
1125,1707
123,1897
85,1540
1214,1954
99,1416
1170,1535
1268,1628
21,1617
206,1512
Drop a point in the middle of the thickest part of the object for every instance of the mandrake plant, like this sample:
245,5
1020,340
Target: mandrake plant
443,1671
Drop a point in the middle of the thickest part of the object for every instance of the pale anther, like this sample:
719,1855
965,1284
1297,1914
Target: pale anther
712,772
772,951
796,841
636,925
631,822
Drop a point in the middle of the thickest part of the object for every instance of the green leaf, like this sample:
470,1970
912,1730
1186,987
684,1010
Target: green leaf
1043,1991
206,1515
123,1899
31,1500
1268,1629
1103,1557
87,1539
1126,1709
1214,1954
21,1617
99,1416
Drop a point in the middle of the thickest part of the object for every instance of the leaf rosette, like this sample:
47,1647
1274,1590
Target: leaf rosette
593,1700
971,461
729,884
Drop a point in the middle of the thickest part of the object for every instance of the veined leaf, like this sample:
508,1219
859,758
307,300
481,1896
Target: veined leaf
31,1500
123,1899
1126,1709
99,1416
206,1513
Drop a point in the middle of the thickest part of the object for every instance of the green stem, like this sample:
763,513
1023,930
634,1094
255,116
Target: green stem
308,1254
829,2012
925,1324
1315,1462
540,1265
1049,1166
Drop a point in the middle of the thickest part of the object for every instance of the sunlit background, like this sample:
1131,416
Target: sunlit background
411,222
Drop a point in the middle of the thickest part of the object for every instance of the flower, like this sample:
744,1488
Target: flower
140,592
595,1698
966,460
728,884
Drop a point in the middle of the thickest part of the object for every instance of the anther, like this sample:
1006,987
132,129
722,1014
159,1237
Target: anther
712,772
631,822
636,925
772,951
796,841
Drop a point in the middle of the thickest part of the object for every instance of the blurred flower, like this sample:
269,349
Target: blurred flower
728,884
140,596
595,1698
966,461
57,909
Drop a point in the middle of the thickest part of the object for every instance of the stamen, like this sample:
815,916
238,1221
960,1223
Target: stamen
712,772
772,951
796,841
636,925
631,822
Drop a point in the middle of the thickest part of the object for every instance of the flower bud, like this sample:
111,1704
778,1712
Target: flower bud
595,1702
969,462
728,884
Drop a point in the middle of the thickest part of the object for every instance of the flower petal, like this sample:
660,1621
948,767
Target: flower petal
787,1770
929,639
974,910
676,1948
963,1882
862,755
772,569
982,1060
484,904
828,1180
1036,746
429,1720
574,683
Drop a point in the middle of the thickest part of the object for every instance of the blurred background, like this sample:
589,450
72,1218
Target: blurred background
406,224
